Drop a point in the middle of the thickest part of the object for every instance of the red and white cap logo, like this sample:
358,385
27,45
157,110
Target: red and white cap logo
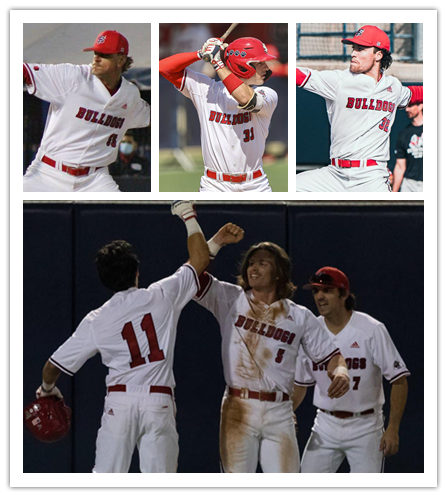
110,42
369,36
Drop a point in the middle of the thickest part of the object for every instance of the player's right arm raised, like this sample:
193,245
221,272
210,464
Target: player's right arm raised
227,234
197,248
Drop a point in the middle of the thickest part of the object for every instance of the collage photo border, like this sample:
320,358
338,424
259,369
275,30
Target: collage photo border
429,197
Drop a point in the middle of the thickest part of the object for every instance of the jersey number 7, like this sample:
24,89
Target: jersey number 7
128,334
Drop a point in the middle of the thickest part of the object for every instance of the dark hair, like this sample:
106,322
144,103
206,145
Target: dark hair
350,301
127,64
117,264
284,288
386,59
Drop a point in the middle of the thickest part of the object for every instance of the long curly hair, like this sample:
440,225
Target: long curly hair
284,288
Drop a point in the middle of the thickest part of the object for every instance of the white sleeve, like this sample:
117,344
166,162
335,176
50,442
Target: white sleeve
316,342
52,82
323,83
141,114
268,101
405,96
303,370
217,296
181,287
195,83
75,351
386,356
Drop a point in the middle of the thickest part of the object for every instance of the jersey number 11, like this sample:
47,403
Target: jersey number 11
128,334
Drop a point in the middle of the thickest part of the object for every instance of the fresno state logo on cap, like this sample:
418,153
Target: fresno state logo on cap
110,42
369,36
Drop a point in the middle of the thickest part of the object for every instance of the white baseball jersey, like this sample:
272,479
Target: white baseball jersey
361,111
369,353
260,342
134,332
85,124
233,140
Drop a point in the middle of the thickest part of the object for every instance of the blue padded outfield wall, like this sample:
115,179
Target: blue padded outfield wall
379,245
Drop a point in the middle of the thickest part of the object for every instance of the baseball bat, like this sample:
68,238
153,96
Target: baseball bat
228,31
207,57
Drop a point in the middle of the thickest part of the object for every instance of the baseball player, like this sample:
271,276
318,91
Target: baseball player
261,333
234,112
351,426
408,171
361,103
135,333
91,107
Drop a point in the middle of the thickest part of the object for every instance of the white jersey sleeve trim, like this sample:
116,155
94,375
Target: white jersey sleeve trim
305,384
205,282
329,357
31,87
402,374
303,84
59,366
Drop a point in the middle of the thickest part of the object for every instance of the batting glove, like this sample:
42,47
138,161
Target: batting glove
41,392
209,49
184,209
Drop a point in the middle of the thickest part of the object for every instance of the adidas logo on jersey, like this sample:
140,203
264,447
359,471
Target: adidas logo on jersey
110,412
355,345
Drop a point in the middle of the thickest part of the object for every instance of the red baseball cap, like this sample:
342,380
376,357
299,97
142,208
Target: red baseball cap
110,42
370,36
328,276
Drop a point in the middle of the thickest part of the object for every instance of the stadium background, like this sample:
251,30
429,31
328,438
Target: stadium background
56,43
319,47
379,245
181,163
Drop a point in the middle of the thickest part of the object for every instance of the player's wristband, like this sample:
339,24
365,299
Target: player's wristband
232,82
47,387
213,248
341,370
192,226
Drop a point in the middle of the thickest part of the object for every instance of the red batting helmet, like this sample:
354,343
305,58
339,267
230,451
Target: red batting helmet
240,53
47,418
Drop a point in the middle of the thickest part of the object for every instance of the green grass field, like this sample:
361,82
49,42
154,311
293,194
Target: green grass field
173,178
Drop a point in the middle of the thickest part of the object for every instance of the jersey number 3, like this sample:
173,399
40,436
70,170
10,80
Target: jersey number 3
128,334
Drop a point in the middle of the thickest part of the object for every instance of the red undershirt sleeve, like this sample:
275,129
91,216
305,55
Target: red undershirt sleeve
173,68
301,77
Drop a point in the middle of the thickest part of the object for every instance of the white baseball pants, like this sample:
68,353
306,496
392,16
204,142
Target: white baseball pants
252,431
334,179
41,177
142,420
332,439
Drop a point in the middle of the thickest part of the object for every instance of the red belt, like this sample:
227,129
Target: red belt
74,171
152,389
233,178
244,393
347,414
352,163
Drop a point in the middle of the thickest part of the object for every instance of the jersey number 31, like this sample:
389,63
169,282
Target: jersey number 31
128,334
